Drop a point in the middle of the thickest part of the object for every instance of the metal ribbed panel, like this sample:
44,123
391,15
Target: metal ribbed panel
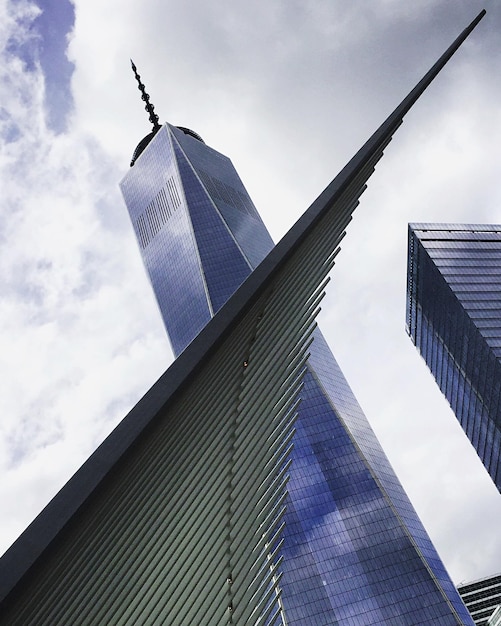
200,499
187,530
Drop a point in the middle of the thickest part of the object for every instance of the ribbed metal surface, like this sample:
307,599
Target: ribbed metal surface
187,529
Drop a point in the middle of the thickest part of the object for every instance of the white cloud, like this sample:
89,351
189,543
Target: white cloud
71,312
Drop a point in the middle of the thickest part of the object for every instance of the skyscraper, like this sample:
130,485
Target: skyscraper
347,517
454,319
482,599
177,518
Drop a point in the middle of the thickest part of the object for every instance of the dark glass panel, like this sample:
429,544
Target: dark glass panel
467,264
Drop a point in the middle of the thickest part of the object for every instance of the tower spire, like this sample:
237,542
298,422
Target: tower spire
146,97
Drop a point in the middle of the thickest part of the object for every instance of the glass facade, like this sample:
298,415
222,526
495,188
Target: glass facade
188,236
454,319
483,599
355,551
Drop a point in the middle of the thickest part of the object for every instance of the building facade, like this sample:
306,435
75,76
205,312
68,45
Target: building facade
483,600
354,549
454,319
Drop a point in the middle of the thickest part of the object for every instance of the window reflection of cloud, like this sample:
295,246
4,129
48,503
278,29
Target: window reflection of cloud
352,526
326,533
246,227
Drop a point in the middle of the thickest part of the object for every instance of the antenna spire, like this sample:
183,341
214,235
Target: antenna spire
146,98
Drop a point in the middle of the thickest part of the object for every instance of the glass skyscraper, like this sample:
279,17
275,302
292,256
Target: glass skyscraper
454,319
483,599
355,551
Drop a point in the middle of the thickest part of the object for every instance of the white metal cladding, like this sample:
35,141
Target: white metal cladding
187,530
183,526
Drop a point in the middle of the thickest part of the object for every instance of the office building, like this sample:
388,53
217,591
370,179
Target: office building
483,600
178,517
454,319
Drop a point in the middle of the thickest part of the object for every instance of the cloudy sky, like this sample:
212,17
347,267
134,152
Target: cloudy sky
289,90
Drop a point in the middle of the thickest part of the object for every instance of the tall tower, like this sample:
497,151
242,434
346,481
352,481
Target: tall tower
483,599
454,319
354,550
